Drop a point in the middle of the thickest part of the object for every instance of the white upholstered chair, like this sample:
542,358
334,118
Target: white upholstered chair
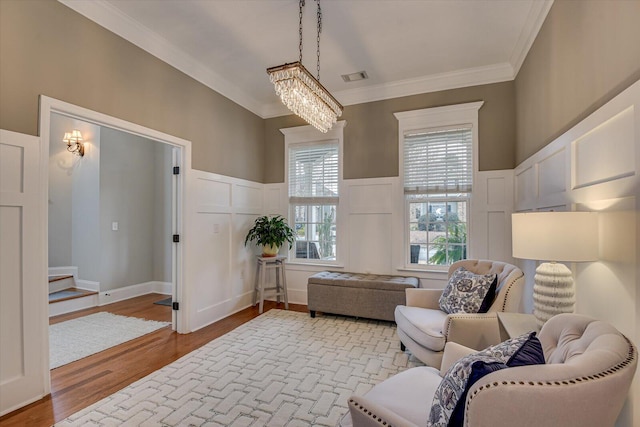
424,329
584,383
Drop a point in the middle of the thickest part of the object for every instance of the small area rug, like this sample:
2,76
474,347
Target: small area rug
166,301
282,368
78,338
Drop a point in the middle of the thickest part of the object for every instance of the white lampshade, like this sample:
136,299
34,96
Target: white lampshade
555,236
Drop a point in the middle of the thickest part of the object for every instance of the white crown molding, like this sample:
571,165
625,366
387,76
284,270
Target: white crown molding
107,16
457,79
535,19
114,20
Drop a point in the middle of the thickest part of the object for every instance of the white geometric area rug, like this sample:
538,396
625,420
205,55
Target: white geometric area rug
78,338
282,368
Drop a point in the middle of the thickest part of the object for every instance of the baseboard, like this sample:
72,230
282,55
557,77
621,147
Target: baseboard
295,296
221,310
132,291
88,285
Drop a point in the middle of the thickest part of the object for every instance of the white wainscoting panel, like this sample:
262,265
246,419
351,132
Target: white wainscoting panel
490,221
606,153
247,198
221,279
599,170
369,243
526,187
369,198
551,174
212,194
24,362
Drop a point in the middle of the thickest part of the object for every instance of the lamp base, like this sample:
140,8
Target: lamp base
553,291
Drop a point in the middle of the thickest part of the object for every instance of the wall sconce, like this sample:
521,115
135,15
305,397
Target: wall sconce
74,142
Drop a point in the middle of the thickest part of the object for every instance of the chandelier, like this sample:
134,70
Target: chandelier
301,92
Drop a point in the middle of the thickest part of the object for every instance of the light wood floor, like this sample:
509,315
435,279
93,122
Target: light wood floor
80,384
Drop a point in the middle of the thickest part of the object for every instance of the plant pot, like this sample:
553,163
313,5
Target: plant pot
270,251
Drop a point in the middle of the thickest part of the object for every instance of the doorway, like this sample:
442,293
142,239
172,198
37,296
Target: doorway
180,153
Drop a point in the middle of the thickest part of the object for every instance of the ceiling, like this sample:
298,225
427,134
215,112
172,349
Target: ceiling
405,46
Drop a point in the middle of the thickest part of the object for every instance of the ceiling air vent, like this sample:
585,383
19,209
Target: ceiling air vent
353,77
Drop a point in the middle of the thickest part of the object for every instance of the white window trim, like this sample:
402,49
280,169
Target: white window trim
430,118
305,135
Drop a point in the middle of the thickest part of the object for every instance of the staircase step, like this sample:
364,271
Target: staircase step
68,294
61,282
59,277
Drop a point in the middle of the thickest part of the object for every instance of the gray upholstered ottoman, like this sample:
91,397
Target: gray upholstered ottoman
361,295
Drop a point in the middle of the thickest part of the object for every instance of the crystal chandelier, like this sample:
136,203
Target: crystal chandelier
301,92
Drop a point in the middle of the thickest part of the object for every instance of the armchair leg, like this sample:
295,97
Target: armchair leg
402,347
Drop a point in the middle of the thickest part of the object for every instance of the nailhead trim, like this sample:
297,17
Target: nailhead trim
506,293
365,411
630,357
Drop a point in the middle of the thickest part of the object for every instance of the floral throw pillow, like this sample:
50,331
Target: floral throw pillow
467,292
447,409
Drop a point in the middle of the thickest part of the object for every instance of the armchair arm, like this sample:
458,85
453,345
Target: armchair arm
474,330
423,298
365,413
452,353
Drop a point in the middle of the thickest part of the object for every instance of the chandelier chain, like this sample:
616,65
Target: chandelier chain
300,28
318,39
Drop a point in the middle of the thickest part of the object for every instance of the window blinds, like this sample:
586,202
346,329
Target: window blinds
439,161
313,173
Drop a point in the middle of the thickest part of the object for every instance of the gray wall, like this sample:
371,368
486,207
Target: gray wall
585,54
47,48
134,193
371,134
61,164
74,200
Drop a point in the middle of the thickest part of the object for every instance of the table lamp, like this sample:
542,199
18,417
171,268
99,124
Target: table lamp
554,236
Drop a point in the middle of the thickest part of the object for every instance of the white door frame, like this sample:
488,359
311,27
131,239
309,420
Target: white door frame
51,105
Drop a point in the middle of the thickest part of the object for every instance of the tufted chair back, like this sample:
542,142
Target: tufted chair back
589,370
509,292
585,382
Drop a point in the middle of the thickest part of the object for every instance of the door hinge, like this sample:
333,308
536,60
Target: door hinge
175,305
176,238
176,170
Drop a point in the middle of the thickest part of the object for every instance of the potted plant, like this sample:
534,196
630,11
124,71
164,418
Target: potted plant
270,233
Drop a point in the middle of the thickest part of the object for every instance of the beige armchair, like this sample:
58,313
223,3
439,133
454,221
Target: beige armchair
424,329
584,383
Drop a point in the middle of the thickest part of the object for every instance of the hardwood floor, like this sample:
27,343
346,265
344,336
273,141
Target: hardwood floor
80,384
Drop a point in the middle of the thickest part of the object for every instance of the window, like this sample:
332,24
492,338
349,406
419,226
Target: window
313,198
438,166
314,180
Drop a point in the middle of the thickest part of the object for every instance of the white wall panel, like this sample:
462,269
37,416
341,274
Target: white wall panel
497,236
490,222
599,171
526,188
24,362
551,174
213,194
247,197
222,268
606,153
370,197
369,243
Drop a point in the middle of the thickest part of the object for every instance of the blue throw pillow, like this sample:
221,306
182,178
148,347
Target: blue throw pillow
467,292
447,409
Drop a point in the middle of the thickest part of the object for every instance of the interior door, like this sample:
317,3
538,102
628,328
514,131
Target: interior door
24,359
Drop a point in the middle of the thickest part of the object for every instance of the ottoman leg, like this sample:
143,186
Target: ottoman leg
312,313
402,347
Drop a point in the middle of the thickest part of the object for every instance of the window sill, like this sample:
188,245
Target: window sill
320,266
